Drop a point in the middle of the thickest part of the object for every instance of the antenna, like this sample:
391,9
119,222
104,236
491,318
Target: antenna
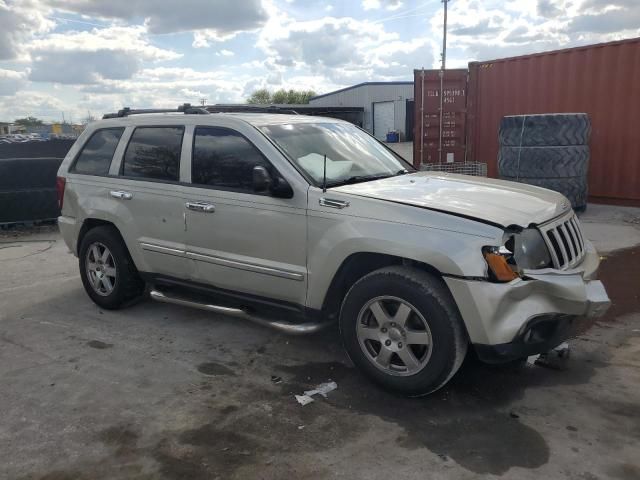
324,176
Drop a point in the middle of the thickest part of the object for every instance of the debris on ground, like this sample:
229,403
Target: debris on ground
276,379
321,389
557,358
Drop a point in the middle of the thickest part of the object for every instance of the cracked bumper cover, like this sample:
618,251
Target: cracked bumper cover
531,314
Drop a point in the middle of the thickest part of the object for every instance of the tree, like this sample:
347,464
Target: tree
282,96
261,96
29,121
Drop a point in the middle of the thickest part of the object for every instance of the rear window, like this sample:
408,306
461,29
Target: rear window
96,155
154,153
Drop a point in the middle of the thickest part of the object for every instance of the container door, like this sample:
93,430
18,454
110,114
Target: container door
426,144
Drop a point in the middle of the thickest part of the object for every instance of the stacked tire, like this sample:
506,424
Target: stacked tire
549,151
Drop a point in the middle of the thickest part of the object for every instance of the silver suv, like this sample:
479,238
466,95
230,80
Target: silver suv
296,222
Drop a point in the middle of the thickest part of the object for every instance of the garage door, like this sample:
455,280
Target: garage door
383,119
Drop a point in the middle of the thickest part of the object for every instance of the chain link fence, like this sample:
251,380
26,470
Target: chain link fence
477,169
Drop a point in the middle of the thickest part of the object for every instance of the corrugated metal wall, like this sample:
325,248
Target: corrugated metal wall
365,95
602,80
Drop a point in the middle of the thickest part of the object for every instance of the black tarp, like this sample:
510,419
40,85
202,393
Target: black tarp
28,180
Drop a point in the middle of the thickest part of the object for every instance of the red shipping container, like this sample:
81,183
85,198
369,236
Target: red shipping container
602,80
426,87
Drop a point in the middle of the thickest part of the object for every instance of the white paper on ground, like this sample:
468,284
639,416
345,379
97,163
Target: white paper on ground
321,389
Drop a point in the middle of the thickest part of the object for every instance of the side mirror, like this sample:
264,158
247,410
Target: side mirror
281,188
278,186
261,179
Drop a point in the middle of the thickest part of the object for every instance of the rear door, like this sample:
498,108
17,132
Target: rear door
241,240
150,199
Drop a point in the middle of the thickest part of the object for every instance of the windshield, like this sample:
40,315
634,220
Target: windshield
352,155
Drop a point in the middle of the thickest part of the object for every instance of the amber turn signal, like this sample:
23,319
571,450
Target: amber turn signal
499,267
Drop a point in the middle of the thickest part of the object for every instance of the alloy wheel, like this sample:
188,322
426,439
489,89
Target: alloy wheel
394,336
101,269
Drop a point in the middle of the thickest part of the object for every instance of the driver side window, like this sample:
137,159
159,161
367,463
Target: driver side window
224,159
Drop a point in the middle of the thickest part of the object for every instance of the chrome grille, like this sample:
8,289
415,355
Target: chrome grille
564,239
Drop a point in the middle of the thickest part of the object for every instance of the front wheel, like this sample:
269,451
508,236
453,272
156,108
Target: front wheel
401,327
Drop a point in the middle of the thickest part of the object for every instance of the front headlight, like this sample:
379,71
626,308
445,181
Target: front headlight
520,250
529,249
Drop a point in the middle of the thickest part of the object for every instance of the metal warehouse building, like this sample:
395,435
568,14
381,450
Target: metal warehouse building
384,104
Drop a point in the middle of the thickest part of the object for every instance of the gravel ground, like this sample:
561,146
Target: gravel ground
156,391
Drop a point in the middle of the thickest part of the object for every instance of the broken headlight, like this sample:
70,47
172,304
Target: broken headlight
520,250
529,249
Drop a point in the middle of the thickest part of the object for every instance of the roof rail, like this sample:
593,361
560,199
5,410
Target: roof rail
254,108
185,108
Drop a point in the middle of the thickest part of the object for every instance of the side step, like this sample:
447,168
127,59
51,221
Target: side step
286,327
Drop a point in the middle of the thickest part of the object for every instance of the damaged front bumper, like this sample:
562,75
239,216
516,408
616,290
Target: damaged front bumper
531,314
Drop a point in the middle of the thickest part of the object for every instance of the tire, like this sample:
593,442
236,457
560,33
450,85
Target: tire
434,316
557,129
544,162
124,278
574,188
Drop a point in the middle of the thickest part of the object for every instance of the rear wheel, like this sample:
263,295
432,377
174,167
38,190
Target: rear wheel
108,274
402,328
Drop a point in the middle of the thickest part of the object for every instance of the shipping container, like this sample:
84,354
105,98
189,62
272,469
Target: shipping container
602,80
426,96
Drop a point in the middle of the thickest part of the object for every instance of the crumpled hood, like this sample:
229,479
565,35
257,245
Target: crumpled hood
496,201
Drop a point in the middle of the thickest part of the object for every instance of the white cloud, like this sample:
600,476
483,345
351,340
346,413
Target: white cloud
225,53
210,20
19,21
91,56
340,49
496,29
390,5
11,81
120,38
26,102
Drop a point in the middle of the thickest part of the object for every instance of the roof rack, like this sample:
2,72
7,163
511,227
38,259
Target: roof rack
185,108
253,108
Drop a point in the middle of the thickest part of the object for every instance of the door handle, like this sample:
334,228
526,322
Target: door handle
121,195
328,202
201,207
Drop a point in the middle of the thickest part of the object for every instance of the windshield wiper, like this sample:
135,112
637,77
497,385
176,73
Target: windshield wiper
357,179
365,178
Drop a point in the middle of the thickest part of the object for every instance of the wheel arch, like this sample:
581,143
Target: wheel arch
90,223
356,266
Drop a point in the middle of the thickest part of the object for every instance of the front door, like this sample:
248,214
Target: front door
241,240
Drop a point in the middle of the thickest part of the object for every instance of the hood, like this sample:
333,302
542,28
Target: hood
494,201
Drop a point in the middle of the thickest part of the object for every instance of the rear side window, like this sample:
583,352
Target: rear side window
96,155
225,159
154,152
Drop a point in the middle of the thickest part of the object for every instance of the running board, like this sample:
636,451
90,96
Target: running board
286,327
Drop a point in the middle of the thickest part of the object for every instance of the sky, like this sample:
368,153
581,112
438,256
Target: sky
81,58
